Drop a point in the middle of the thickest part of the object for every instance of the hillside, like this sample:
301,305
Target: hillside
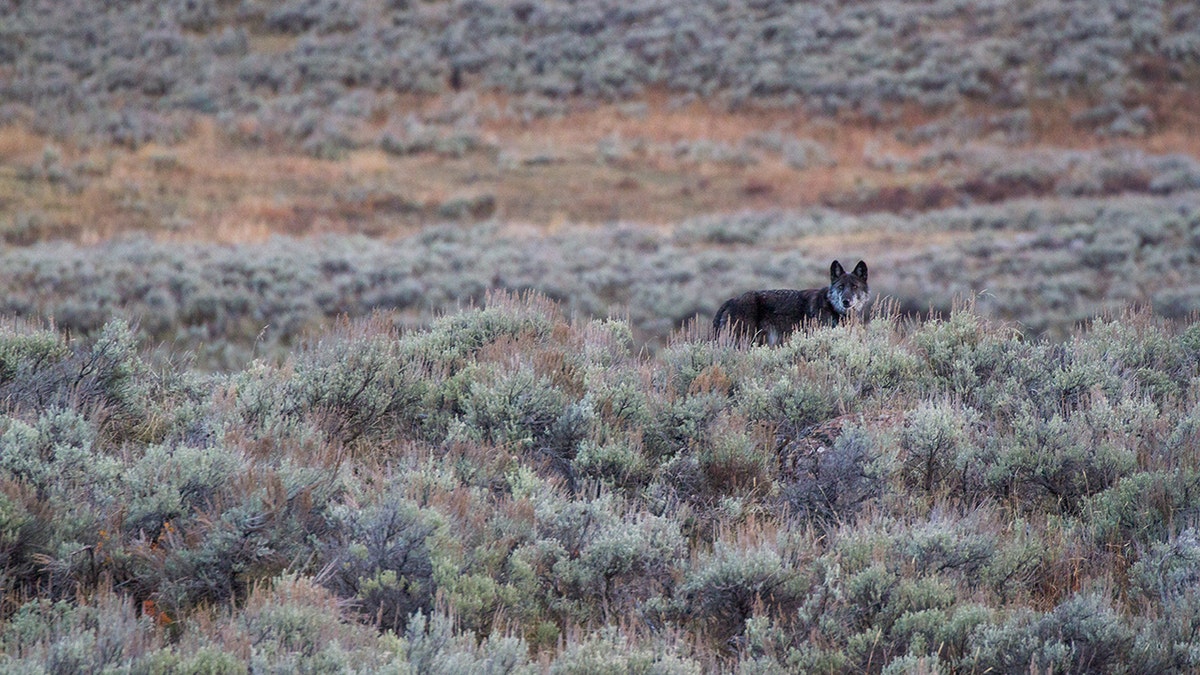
1047,264
231,121
371,336
513,491
230,175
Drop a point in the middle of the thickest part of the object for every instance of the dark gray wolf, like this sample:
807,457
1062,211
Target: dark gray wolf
770,316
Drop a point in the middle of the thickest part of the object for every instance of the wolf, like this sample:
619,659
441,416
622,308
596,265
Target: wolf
770,316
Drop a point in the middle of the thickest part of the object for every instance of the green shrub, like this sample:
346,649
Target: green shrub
880,614
619,397
956,350
608,653
26,350
454,338
205,660
1158,363
1181,447
432,646
796,400
264,520
934,436
620,463
1166,577
61,490
1082,634
961,548
624,565
681,423
59,456
105,380
895,588
833,485
381,560
866,359
1054,460
65,637
1170,570
354,384
1143,508
357,386
296,625
591,561
736,458
25,534
1022,563
526,414
172,483
731,585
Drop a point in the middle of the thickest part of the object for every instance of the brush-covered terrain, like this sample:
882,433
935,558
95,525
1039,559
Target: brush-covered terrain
229,175
1048,265
513,490
370,336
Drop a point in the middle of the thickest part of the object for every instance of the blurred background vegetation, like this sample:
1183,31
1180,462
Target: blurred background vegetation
644,158
358,323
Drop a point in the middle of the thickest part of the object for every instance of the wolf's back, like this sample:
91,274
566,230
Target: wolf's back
740,315
722,316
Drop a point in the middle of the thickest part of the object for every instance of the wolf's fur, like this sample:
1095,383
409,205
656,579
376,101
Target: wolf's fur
770,316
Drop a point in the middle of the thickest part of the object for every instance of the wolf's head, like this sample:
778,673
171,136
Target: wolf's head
848,292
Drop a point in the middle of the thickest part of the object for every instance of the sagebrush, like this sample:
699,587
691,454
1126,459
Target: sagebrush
510,489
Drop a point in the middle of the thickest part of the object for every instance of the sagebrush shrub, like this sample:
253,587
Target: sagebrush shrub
66,637
27,349
432,645
354,385
1145,507
1083,633
527,414
731,585
607,651
169,483
932,440
381,561
620,463
835,484
106,380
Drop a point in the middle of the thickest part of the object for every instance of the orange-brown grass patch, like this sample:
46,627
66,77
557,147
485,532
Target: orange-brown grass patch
541,171
17,143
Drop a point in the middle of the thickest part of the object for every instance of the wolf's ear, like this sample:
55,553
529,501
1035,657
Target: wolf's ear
860,270
836,271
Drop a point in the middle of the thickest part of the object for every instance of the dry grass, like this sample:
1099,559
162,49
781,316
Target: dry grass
16,142
211,188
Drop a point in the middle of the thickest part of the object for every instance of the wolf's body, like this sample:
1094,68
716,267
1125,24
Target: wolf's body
770,316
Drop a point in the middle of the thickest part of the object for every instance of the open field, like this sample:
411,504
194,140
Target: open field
208,120
642,209
371,336
1047,264
648,162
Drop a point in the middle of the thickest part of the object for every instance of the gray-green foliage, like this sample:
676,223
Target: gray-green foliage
381,560
106,380
1083,633
354,384
231,304
593,563
65,637
164,63
510,490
